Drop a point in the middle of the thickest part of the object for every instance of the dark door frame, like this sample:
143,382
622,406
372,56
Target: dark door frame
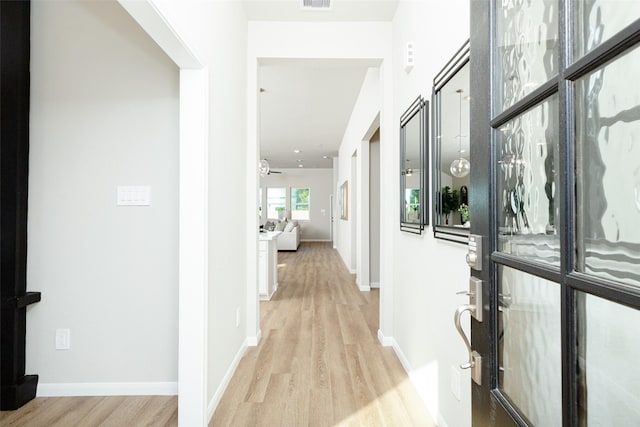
16,388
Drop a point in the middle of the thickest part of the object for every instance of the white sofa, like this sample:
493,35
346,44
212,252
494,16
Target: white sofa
289,240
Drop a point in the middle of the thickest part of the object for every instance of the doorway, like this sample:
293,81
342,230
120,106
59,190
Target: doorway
374,210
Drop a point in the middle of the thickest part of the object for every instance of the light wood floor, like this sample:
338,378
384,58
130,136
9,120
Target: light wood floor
112,411
319,362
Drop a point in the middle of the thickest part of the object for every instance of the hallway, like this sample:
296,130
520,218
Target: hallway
319,361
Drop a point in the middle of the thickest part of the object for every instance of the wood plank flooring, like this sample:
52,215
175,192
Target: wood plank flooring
111,411
319,362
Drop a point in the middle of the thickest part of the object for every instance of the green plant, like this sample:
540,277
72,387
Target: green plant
450,201
464,212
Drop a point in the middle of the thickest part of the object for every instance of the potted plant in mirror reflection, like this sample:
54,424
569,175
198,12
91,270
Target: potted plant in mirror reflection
450,202
464,215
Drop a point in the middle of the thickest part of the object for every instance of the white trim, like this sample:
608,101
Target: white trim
441,421
193,214
412,377
149,16
194,249
224,383
254,341
374,285
352,271
403,359
264,297
385,341
364,288
107,389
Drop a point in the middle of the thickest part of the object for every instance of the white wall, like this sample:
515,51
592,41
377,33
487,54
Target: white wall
428,272
355,140
218,33
104,112
320,181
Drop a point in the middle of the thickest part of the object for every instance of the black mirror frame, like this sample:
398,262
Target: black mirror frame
455,64
419,107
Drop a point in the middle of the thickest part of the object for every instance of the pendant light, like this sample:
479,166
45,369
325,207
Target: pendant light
264,168
460,167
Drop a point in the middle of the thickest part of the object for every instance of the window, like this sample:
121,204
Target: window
412,204
276,202
300,198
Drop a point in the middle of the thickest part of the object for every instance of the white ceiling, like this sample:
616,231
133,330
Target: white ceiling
306,105
342,10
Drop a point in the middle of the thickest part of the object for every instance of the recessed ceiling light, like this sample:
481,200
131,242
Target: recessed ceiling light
300,160
300,165
296,151
325,157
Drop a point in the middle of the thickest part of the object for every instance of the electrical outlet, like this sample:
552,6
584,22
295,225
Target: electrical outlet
63,339
238,317
455,382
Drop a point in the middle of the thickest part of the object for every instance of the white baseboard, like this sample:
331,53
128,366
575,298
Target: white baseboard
253,341
385,341
403,359
225,380
352,271
441,421
364,288
374,285
264,297
107,389
407,368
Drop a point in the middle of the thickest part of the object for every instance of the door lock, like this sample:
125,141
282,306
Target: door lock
474,253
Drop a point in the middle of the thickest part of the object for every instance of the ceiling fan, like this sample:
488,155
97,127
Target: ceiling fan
265,169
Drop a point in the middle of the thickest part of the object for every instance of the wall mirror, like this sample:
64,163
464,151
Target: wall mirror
413,163
451,108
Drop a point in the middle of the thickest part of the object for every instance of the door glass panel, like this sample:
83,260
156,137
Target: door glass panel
529,346
528,184
608,171
598,20
608,351
527,43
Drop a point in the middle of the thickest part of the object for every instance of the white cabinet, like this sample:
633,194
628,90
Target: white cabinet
268,264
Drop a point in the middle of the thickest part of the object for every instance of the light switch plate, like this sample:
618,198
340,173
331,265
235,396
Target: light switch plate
138,195
63,339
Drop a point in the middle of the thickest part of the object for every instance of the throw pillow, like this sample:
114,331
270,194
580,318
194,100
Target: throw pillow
280,226
290,226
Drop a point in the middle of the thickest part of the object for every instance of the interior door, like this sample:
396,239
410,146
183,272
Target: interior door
555,197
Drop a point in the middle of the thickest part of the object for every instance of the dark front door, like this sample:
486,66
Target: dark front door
555,187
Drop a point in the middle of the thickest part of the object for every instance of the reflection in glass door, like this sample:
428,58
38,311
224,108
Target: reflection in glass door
562,158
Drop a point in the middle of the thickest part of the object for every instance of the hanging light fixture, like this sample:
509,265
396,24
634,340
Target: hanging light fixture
460,167
264,168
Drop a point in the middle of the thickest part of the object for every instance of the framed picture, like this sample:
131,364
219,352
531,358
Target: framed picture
344,200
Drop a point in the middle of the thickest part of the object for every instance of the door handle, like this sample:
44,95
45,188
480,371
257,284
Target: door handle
456,321
475,360
475,309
